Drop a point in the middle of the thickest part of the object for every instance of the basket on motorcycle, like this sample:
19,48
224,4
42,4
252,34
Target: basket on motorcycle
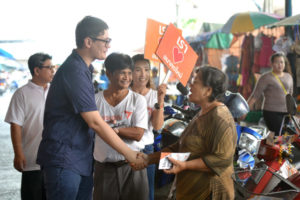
262,182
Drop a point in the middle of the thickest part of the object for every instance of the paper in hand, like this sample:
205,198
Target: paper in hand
165,163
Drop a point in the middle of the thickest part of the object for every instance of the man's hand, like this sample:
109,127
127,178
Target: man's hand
178,166
19,162
141,161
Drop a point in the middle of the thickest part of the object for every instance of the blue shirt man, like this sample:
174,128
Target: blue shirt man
65,132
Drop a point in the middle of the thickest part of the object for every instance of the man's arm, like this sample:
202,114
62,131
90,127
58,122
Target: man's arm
16,138
95,121
131,133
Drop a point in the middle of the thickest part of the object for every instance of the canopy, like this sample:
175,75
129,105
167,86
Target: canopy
289,21
248,21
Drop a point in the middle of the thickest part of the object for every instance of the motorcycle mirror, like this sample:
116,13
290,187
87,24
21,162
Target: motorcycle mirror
291,105
236,103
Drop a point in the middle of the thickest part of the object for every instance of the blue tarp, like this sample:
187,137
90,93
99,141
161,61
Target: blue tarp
6,54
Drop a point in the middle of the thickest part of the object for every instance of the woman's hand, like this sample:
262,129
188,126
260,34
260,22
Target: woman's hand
178,166
161,93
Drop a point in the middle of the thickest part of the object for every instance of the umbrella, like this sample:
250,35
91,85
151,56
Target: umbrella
214,40
289,21
248,21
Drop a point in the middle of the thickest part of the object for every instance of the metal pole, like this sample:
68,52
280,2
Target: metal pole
288,8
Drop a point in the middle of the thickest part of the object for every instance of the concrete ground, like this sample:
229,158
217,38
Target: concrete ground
10,179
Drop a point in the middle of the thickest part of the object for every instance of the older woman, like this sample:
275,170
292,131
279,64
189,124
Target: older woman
210,138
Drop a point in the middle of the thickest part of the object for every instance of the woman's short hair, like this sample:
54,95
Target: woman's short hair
214,78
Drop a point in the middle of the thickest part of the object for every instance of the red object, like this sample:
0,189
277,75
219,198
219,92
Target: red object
273,166
244,175
295,179
267,152
270,154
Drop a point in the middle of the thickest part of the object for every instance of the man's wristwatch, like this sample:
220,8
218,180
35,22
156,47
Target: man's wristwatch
157,106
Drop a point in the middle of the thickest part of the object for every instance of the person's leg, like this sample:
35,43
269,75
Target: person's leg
133,184
150,172
85,190
273,120
61,183
32,187
105,182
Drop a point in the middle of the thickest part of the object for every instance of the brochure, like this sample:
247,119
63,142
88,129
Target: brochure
165,163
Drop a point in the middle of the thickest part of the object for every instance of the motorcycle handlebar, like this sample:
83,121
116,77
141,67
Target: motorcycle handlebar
189,114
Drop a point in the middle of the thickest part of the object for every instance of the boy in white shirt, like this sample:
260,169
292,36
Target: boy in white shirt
126,112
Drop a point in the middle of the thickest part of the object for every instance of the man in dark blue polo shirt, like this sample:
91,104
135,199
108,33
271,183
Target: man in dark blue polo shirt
66,150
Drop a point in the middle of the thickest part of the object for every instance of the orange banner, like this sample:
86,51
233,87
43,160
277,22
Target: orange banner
154,32
175,52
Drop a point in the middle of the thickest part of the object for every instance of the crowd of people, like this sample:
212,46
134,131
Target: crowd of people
71,143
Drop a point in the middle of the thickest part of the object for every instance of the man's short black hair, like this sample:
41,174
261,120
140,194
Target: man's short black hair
118,61
37,60
89,27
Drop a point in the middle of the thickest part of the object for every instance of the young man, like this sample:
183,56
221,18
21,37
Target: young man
126,112
25,115
66,150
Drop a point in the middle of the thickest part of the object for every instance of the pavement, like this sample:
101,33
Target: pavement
10,179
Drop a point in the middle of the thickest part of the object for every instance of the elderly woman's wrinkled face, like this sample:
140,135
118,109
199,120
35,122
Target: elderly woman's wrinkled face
199,92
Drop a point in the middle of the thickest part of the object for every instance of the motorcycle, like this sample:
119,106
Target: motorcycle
272,175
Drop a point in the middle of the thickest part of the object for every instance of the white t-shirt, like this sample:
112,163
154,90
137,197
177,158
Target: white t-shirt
26,109
151,98
130,112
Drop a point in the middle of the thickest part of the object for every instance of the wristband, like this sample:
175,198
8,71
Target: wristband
157,106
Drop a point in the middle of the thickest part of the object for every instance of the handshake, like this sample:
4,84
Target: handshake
141,162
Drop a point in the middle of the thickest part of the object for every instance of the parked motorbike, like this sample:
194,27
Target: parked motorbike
272,175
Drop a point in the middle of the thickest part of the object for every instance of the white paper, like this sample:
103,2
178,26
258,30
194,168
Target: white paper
164,162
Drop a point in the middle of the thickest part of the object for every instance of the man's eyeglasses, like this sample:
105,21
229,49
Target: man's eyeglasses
48,67
107,41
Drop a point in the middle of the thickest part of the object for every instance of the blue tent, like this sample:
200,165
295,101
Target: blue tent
6,54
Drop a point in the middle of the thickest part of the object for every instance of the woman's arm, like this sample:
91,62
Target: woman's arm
178,166
157,117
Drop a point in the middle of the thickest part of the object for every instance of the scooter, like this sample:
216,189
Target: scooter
270,177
